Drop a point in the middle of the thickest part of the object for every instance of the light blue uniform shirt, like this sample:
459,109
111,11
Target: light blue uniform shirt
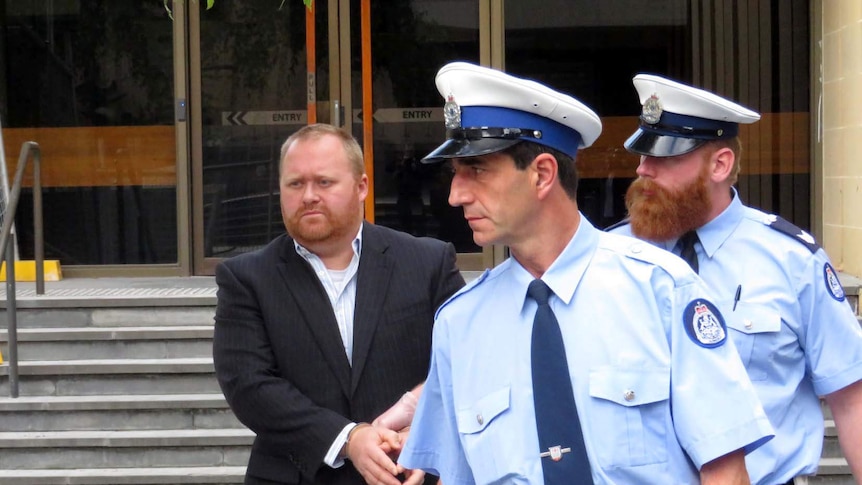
796,334
655,404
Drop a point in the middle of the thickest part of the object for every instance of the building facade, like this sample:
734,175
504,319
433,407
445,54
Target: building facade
160,123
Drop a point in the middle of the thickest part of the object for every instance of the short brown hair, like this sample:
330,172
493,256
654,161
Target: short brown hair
526,151
319,130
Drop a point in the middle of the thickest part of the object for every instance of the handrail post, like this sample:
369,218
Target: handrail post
38,236
7,247
11,318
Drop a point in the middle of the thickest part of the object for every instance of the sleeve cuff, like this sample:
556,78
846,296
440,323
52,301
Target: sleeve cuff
333,457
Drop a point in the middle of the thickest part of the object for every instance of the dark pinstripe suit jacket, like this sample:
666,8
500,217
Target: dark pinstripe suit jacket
280,360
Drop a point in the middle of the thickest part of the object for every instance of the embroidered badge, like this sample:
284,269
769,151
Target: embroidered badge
651,112
832,283
704,324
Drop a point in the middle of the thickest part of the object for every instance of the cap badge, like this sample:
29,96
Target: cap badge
651,112
452,113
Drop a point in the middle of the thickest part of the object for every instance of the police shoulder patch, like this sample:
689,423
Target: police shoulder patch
830,277
704,324
788,229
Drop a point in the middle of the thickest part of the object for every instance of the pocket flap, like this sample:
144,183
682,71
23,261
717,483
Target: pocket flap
753,318
630,387
476,417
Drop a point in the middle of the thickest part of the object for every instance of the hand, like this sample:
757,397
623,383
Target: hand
368,447
414,477
399,415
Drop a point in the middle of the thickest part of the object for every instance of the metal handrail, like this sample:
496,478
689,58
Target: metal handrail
9,250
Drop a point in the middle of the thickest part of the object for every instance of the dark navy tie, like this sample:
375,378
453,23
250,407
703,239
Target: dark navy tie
561,441
686,249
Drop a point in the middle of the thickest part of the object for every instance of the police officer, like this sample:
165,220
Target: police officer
585,357
776,288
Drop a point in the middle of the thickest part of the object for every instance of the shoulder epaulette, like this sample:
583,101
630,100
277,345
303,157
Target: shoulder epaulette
788,229
617,224
464,289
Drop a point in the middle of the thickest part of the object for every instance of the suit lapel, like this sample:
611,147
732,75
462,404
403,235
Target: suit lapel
316,310
375,267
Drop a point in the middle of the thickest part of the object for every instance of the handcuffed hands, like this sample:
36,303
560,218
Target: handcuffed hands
372,448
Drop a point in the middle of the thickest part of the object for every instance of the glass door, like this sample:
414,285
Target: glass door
399,50
93,82
261,70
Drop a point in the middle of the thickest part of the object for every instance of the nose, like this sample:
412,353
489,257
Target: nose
647,167
458,193
309,194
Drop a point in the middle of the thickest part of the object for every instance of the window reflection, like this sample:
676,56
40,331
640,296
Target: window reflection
91,81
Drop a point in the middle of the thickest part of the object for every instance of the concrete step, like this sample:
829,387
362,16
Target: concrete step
833,471
192,365
113,377
132,316
124,449
126,476
112,342
90,413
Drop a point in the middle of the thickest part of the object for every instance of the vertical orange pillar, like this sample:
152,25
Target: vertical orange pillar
311,62
367,108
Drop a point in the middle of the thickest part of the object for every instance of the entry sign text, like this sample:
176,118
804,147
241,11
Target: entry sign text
287,117
300,117
402,115
408,115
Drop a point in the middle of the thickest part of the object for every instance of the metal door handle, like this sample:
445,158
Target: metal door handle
337,113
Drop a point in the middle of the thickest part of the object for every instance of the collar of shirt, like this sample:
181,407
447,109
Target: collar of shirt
713,234
314,259
565,273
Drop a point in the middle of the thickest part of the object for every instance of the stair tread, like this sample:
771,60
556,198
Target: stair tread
43,334
166,365
161,433
220,470
127,439
127,476
111,401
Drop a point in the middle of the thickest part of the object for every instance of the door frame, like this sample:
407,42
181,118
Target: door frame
193,261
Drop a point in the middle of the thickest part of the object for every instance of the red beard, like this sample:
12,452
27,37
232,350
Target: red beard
667,214
327,225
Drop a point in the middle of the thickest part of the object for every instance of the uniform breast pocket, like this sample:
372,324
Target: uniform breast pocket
486,444
629,415
753,327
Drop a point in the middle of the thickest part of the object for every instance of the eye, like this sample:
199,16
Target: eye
325,182
293,184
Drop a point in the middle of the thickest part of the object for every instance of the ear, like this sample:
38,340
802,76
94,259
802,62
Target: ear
545,173
362,187
721,163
